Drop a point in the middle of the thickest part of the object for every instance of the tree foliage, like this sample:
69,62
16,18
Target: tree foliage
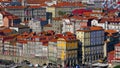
61,13
118,66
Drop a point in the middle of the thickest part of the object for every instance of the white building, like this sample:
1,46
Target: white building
1,19
107,25
68,26
35,25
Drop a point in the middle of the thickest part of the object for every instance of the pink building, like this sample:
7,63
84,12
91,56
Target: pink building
11,20
117,52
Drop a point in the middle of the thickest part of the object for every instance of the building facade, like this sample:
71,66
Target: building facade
27,13
67,52
52,51
35,25
92,40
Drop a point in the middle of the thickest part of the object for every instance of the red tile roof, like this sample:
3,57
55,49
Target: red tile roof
117,44
12,17
111,31
53,40
36,1
34,6
7,30
82,18
118,2
80,11
68,4
22,41
5,0
48,25
93,28
4,13
15,7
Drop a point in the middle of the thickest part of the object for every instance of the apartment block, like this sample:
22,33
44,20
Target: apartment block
92,40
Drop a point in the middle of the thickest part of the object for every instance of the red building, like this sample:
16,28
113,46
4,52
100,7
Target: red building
114,56
117,52
111,57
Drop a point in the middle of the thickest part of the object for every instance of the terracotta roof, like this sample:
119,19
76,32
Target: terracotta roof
53,40
68,4
103,20
82,18
7,30
12,17
112,52
118,2
96,28
113,10
4,13
92,28
80,11
35,37
57,18
5,0
22,41
36,1
117,44
19,0
43,4
48,25
15,7
34,6
111,31
69,38
86,13
25,33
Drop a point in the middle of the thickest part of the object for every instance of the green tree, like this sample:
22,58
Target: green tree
118,66
61,13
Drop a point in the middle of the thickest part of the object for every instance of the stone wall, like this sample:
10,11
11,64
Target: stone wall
34,60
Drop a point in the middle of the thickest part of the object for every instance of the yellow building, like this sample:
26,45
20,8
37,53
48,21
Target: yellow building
52,10
67,50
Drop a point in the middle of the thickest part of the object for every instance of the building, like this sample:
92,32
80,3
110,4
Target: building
21,28
111,57
52,51
68,26
27,13
70,1
36,2
35,25
117,53
92,40
22,48
47,27
1,19
10,21
63,8
73,23
67,50
111,38
57,25
107,23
